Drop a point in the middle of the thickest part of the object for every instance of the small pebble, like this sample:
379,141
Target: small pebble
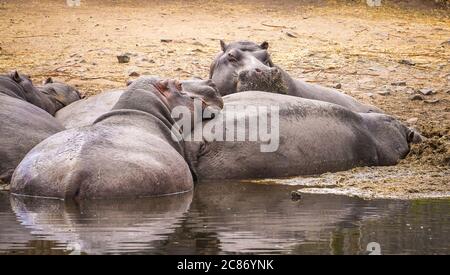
412,120
416,97
407,62
399,83
296,195
426,91
384,93
432,101
123,58
291,35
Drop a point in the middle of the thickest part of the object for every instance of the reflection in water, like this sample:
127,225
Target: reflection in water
102,226
224,218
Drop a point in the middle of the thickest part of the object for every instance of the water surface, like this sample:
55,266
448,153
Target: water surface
224,218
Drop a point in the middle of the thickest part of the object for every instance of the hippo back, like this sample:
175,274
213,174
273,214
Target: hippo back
127,152
86,111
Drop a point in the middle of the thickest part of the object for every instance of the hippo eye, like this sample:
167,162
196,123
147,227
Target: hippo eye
232,58
178,86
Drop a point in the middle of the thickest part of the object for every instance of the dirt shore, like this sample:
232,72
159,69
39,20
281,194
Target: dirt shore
383,56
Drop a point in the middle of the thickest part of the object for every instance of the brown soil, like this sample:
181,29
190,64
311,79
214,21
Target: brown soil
366,50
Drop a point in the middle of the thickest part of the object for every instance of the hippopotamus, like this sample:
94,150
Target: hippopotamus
306,137
245,66
85,112
134,150
22,126
51,97
59,93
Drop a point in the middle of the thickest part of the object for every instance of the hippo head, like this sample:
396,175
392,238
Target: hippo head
244,45
174,95
60,94
245,66
393,137
204,90
25,84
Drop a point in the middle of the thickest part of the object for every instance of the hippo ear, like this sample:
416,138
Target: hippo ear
410,137
162,86
223,45
264,45
211,84
48,80
16,76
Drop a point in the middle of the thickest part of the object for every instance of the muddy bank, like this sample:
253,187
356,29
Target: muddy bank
435,148
404,181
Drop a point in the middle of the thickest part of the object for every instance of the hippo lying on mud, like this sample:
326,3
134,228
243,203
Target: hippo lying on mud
51,97
245,66
22,126
85,112
314,137
60,94
127,152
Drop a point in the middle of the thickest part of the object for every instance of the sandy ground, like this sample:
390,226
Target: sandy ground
382,56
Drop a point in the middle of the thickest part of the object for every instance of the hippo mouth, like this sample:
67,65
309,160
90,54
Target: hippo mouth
259,80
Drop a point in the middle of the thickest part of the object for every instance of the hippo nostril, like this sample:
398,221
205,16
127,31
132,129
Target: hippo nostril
258,70
242,75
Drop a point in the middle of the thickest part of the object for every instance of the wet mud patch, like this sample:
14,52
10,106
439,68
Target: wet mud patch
404,181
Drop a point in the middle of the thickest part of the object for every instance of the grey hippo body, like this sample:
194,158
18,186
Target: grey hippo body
86,111
314,137
127,152
22,126
244,66
50,97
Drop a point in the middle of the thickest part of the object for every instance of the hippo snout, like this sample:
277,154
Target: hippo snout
261,79
256,73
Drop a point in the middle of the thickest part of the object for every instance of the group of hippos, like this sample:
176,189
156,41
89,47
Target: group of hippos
119,144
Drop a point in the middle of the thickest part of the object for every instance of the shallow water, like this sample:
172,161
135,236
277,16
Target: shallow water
224,218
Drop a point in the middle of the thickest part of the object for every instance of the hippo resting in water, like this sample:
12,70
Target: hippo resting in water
307,137
51,97
245,66
22,126
85,112
127,152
